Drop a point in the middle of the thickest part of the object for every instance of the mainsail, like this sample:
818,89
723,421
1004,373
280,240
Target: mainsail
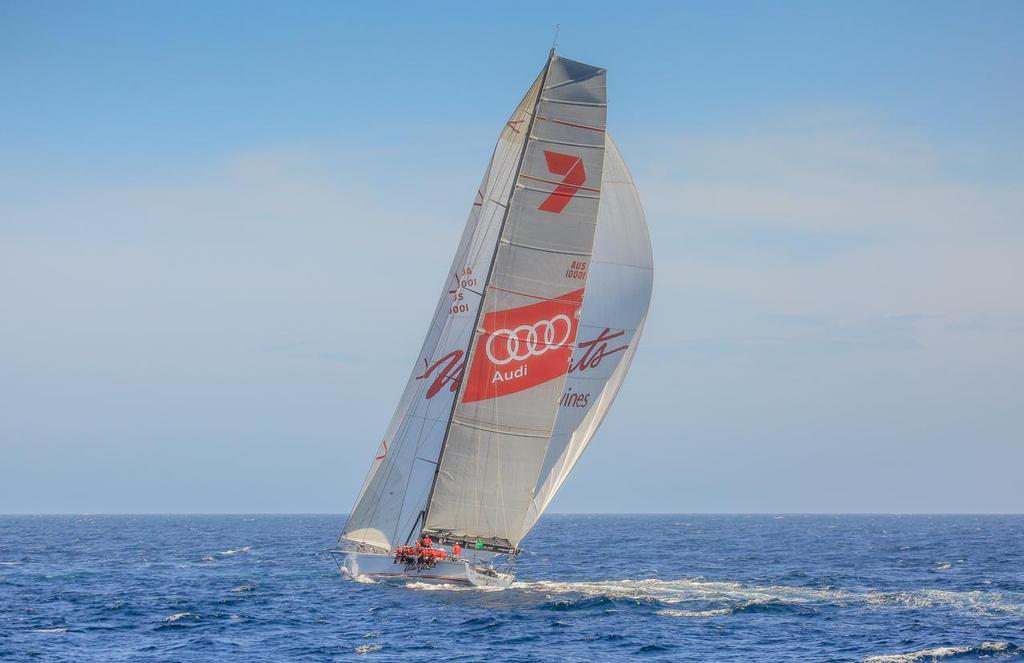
537,324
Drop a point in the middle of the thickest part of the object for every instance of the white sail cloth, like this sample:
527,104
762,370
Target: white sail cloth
394,494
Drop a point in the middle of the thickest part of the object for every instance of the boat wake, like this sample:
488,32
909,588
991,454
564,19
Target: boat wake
701,598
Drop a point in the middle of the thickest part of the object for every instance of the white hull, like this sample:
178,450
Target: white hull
383,567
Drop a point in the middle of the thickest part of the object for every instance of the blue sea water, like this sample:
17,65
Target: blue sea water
589,588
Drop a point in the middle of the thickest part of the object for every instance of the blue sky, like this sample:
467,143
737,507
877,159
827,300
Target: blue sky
223,229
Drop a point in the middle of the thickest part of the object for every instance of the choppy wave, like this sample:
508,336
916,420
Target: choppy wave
234,551
179,616
367,649
987,649
245,587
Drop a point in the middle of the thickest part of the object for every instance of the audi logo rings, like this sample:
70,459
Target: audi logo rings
527,341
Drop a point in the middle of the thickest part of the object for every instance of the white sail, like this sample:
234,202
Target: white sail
508,403
392,499
618,294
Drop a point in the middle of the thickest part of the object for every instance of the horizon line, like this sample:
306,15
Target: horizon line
555,513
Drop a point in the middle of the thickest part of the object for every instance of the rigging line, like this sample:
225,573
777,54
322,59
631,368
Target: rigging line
490,271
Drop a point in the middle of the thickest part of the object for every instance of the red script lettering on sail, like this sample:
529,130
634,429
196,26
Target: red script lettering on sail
449,372
597,349
523,347
575,176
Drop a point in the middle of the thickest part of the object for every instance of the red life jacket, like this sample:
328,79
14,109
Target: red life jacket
456,550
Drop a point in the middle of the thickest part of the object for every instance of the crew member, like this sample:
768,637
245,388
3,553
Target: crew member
427,542
456,550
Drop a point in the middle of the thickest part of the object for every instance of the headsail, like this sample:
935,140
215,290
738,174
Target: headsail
392,499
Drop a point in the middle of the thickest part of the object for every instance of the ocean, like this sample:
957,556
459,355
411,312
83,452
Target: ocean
589,588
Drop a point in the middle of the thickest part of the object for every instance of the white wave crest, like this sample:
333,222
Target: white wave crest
975,601
180,615
936,653
366,649
58,629
720,612
235,551
246,587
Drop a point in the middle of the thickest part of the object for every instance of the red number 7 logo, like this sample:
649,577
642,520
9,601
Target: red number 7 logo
575,176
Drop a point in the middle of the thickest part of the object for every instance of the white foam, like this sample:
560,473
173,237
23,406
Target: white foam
729,595
366,649
235,551
59,629
682,590
938,652
695,613
13,562
942,565
449,587
247,587
180,615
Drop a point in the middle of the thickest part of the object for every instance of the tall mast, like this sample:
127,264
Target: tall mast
487,282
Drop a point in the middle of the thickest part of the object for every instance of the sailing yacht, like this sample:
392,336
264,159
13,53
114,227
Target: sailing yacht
538,321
